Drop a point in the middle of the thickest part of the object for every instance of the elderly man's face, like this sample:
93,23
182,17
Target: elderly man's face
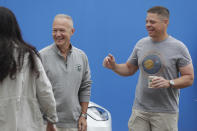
62,31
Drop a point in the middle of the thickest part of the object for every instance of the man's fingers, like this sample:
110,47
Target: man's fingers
80,127
105,62
111,56
83,128
107,59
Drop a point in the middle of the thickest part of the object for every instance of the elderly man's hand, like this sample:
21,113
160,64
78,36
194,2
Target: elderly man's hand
82,124
50,127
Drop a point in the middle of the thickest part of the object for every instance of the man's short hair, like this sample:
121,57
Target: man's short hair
160,10
65,16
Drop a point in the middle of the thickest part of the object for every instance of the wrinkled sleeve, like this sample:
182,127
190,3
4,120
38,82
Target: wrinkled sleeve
45,95
184,57
85,87
133,58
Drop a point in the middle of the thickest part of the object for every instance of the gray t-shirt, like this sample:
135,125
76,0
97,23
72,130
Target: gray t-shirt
160,59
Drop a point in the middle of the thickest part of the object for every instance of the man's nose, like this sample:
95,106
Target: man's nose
58,33
148,24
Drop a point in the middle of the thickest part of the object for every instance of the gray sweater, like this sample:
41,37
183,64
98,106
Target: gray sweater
71,82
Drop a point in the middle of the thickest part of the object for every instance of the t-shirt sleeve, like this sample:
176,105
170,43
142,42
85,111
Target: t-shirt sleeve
133,59
185,57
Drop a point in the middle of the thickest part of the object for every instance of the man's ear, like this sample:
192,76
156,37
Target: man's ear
166,21
72,31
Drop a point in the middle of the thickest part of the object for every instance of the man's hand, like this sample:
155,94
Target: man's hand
160,82
109,62
82,124
50,127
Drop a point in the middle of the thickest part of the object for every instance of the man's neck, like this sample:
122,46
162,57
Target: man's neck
161,38
64,49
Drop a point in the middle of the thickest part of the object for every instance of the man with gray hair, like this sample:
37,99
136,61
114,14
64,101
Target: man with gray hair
68,70
165,67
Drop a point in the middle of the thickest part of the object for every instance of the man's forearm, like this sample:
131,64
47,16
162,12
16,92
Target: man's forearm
183,81
125,69
84,107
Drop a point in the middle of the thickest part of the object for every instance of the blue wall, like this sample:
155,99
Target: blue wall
112,26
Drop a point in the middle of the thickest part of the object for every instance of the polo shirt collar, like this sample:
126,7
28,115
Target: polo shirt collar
58,51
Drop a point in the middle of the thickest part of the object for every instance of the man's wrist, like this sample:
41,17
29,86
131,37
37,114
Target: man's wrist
171,82
114,67
84,115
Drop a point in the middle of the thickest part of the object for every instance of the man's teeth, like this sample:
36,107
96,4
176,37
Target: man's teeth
59,38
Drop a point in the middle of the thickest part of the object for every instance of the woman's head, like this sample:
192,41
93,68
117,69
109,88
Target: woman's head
9,28
10,40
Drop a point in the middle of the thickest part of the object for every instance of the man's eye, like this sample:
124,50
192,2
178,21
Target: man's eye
62,31
152,22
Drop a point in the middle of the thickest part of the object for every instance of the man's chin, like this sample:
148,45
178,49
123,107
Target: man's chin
58,43
151,34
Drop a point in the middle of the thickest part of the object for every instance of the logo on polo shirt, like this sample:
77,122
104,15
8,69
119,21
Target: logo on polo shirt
78,67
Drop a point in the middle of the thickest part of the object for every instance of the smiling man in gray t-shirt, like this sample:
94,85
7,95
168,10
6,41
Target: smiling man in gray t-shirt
168,60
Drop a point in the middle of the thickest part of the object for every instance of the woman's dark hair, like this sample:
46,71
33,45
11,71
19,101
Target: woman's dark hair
10,41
